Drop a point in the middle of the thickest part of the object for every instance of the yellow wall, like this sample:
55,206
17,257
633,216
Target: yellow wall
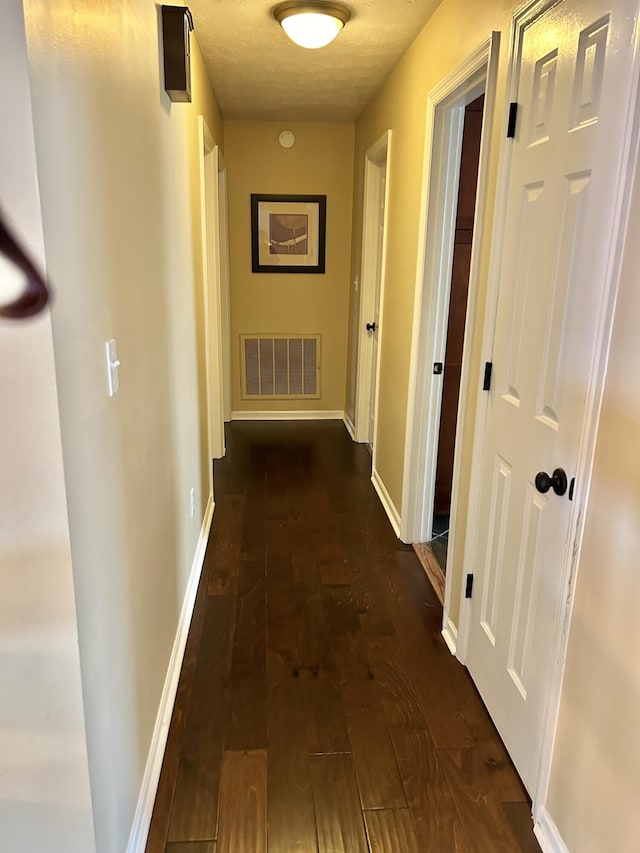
320,163
117,165
401,107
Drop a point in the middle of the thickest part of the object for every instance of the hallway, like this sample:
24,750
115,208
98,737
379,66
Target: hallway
318,707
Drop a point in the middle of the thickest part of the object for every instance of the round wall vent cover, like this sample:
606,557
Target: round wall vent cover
287,139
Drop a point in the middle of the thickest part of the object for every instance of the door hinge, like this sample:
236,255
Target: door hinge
513,116
437,368
468,592
488,370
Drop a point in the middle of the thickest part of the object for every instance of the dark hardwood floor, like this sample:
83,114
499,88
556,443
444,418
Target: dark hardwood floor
318,709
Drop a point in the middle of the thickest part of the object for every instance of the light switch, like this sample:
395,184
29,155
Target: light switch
112,366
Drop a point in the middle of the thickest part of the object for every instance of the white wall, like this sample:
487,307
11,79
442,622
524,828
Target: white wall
45,801
118,164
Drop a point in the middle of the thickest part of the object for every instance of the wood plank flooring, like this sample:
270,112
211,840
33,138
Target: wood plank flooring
318,709
432,568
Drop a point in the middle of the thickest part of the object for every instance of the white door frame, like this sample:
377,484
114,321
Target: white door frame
225,297
377,159
212,282
622,190
443,147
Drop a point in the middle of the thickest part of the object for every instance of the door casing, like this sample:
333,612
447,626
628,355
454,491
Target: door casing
444,127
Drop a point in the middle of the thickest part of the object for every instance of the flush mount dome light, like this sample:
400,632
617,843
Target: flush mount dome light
311,24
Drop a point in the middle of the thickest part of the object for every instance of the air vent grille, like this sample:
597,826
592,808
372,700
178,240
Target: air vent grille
280,367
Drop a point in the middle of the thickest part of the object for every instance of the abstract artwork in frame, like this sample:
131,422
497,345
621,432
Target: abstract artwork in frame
288,233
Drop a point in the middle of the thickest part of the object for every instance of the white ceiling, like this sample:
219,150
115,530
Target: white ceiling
257,73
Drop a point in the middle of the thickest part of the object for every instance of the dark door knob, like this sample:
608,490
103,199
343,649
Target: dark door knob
371,327
557,481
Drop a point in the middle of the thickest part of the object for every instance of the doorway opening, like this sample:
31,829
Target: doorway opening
455,324
215,267
225,300
459,112
376,193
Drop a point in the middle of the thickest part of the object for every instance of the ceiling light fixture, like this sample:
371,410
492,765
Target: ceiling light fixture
311,24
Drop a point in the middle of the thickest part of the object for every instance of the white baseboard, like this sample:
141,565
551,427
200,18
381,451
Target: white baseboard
387,503
450,634
349,425
142,818
301,415
548,834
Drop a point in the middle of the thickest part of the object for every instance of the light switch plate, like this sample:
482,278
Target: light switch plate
112,366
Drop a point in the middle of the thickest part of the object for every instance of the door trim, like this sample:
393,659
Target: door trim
212,282
225,291
523,17
443,143
377,155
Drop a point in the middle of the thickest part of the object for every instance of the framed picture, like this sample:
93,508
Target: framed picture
288,233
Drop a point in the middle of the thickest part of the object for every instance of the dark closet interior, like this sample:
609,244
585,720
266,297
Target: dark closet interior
455,330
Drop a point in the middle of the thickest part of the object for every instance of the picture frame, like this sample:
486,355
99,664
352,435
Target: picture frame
288,233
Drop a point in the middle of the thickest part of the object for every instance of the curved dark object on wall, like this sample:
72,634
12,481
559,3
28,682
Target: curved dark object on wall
36,293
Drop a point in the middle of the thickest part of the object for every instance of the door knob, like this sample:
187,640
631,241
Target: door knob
557,481
371,327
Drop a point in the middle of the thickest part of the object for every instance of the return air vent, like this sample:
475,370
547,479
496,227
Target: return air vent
276,367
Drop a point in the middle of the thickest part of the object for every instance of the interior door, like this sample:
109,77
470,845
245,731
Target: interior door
573,70
374,326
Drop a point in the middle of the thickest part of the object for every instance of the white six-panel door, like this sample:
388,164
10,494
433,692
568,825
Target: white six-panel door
574,67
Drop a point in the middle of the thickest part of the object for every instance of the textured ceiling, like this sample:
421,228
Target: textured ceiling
257,73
